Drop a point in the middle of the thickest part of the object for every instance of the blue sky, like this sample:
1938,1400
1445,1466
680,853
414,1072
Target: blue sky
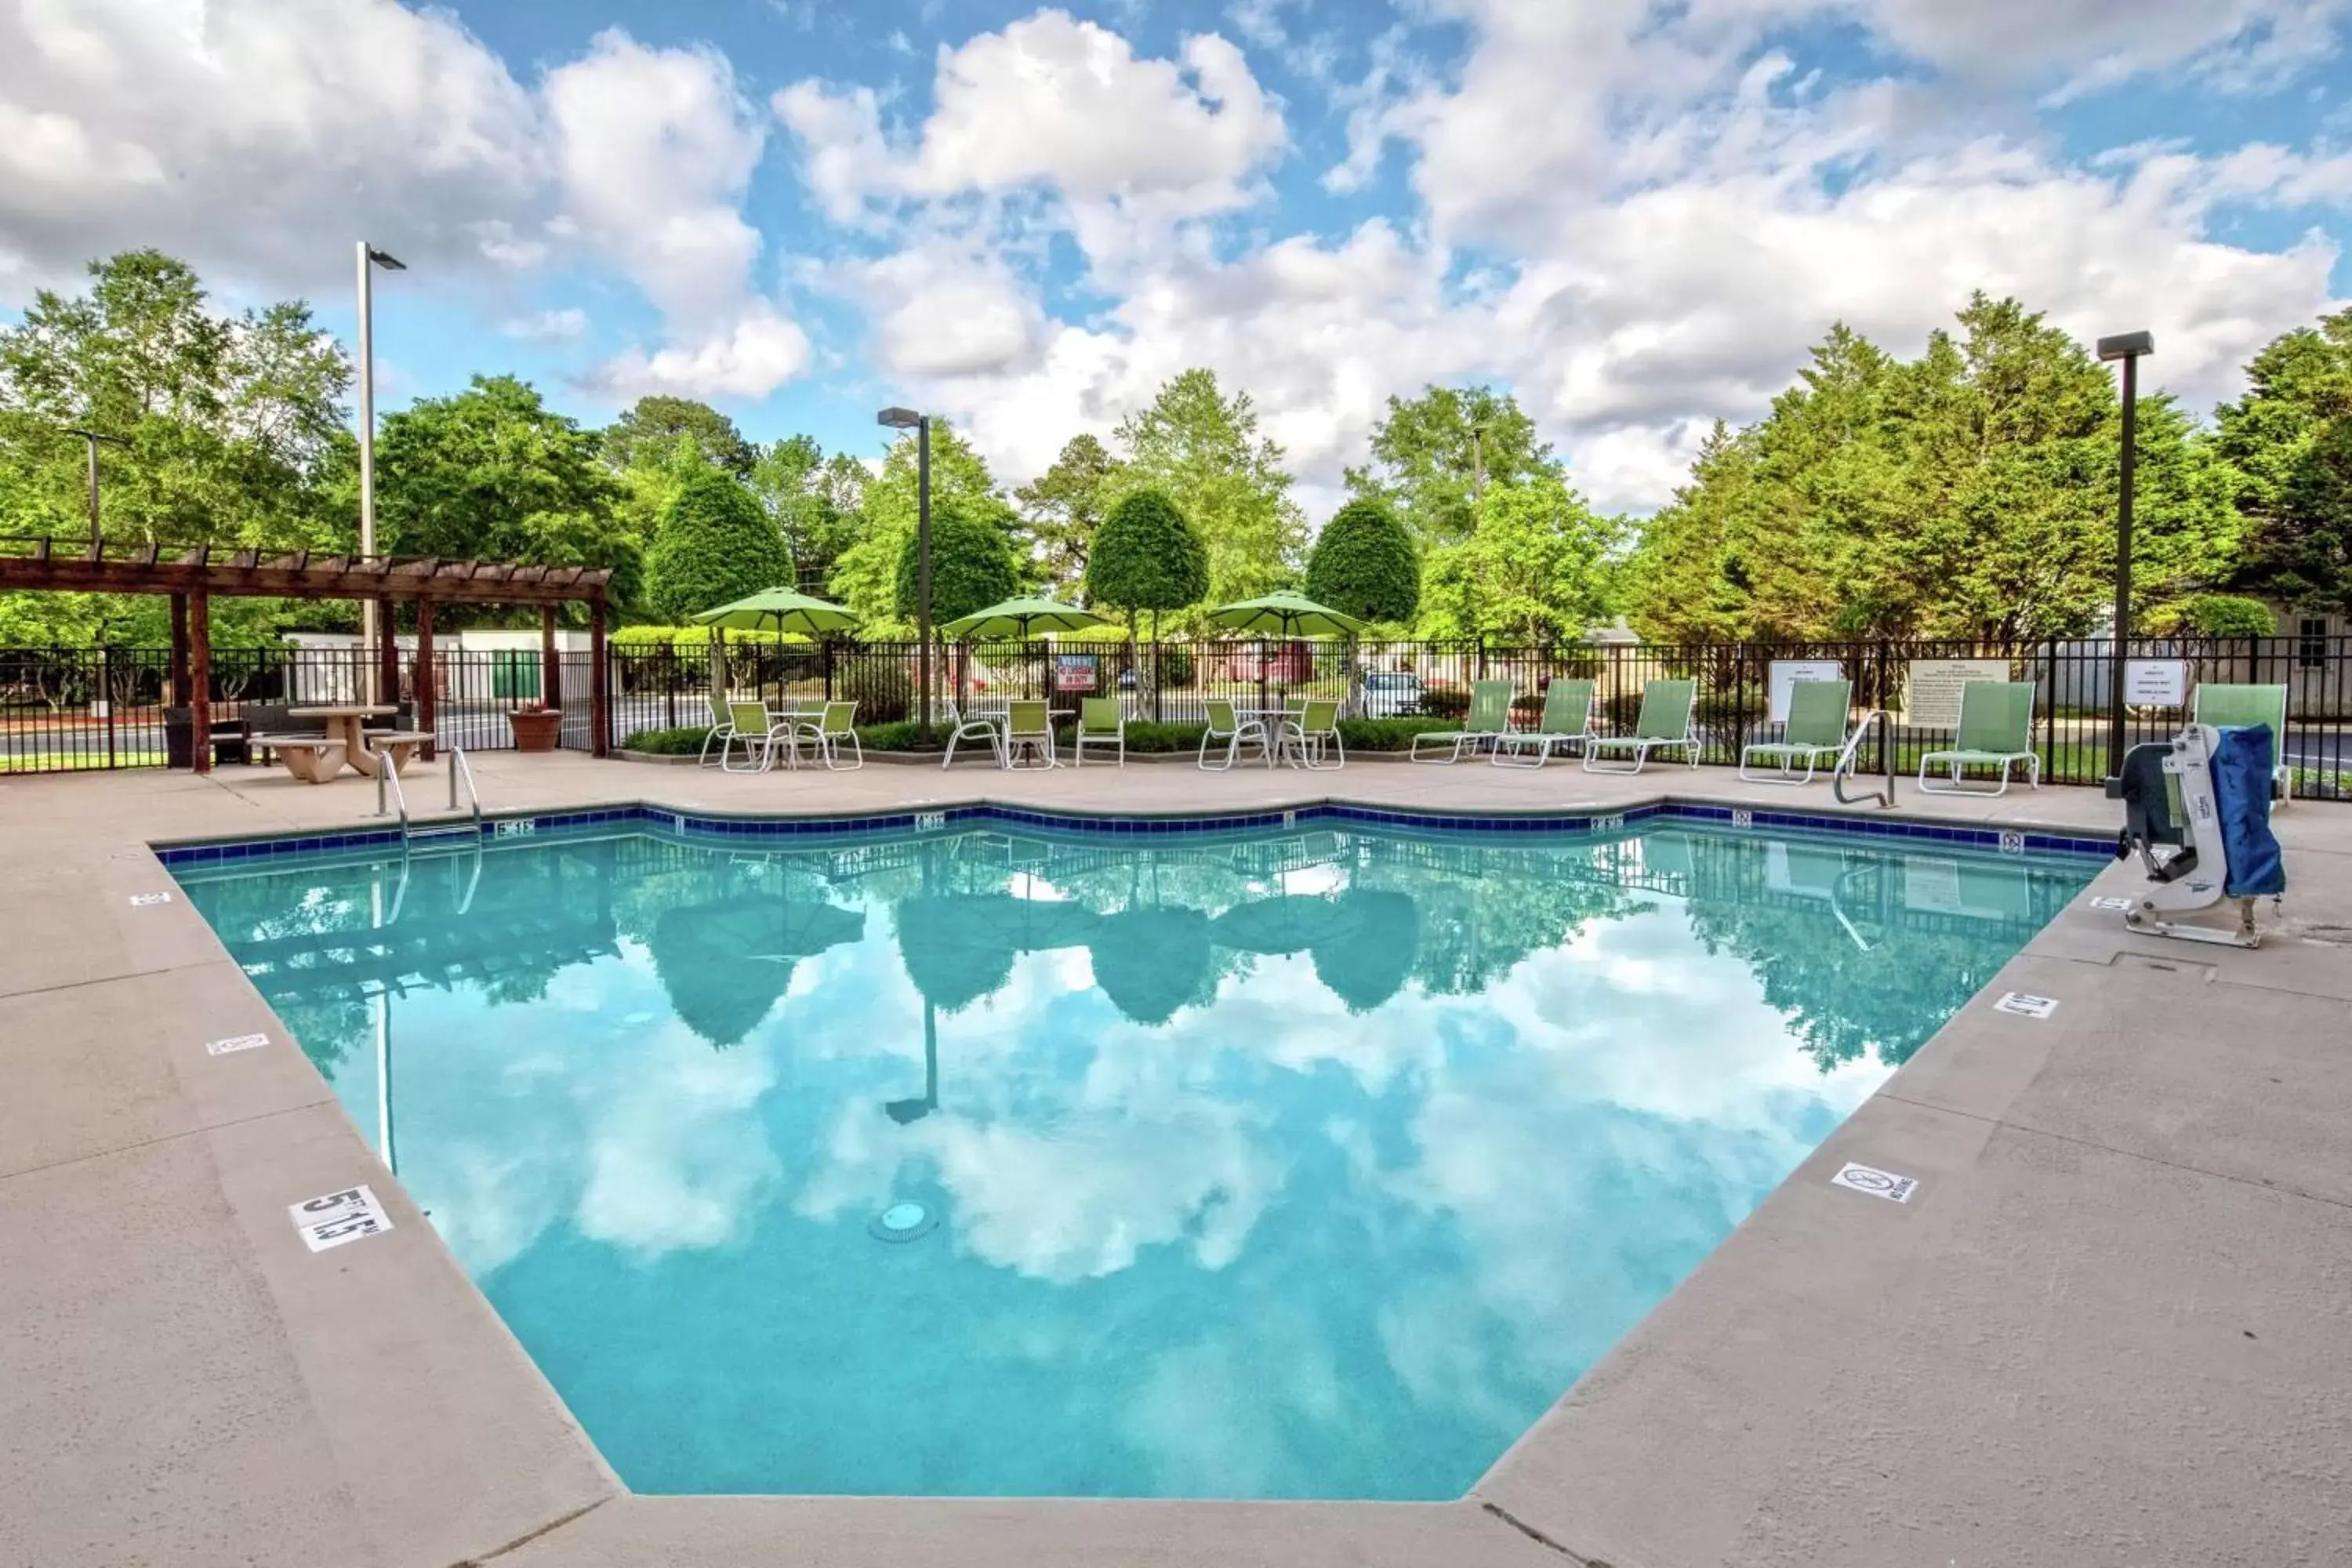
1637,214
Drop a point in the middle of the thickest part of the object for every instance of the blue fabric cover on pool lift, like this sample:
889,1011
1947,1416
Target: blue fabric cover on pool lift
2241,794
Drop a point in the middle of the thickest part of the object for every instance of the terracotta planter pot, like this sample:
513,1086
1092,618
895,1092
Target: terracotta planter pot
536,731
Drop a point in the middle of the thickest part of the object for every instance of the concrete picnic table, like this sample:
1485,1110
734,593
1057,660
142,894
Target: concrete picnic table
345,742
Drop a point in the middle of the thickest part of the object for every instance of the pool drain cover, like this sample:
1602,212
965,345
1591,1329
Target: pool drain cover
902,1222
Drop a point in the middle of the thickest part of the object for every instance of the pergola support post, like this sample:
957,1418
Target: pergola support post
200,681
424,671
179,649
551,665
599,712
387,654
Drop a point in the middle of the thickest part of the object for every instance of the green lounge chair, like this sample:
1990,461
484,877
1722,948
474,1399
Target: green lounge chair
1101,723
1311,737
1996,731
1567,722
1816,729
2243,706
1029,725
1664,724
1490,717
1227,725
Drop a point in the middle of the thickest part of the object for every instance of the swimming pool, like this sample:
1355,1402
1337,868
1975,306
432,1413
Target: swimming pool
1305,1163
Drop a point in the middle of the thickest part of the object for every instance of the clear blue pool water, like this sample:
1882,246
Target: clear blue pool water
1307,1165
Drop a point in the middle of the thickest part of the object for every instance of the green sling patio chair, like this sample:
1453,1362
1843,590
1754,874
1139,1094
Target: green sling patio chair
1664,724
1816,729
836,722
1567,723
1996,731
1102,722
1490,717
722,730
1029,726
2240,706
1311,737
1229,729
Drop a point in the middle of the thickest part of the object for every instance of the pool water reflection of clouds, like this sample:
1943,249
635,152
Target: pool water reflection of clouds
1305,1165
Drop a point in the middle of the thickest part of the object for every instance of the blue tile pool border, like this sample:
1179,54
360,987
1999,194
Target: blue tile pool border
210,852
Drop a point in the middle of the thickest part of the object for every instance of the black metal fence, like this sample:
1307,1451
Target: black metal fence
67,709
63,710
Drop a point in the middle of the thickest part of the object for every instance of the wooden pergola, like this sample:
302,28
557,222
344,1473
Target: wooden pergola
193,577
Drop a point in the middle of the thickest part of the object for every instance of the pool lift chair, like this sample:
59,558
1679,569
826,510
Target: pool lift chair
2197,811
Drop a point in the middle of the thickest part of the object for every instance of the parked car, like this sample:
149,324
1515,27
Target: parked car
1290,663
1392,694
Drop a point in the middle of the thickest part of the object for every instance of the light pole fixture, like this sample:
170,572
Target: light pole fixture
370,258
920,424
2127,347
94,438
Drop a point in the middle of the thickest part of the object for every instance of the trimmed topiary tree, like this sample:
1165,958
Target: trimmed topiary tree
971,565
713,546
1364,564
1146,557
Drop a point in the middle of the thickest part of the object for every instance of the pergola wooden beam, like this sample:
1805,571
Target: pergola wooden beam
38,567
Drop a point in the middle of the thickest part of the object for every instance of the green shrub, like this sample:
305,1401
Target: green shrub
713,546
683,742
1145,738
2217,615
1389,735
1146,556
971,565
1364,564
898,736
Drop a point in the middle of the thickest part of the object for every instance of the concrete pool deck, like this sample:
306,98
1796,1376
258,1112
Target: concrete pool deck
2113,1325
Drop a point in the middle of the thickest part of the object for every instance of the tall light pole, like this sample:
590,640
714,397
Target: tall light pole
370,258
93,437
920,424
2127,347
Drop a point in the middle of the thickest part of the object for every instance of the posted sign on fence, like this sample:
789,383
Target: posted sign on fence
1931,689
2155,682
1787,672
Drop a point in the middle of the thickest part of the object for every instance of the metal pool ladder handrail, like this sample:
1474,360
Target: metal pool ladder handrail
387,773
1851,764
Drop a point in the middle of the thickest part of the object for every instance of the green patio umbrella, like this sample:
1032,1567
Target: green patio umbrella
779,610
1285,615
1020,619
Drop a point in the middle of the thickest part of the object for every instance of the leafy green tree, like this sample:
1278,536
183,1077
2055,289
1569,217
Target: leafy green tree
223,424
803,492
714,545
1970,492
492,474
1538,566
865,577
649,430
1146,557
1432,453
2216,616
2284,443
1062,508
1202,449
971,565
1364,562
